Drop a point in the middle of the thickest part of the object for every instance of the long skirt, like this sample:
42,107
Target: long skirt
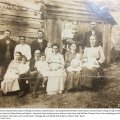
56,82
10,83
91,77
73,80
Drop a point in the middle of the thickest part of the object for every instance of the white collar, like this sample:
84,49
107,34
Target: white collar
40,40
7,41
73,51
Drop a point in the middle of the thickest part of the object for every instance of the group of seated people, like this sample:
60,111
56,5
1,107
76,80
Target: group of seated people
51,70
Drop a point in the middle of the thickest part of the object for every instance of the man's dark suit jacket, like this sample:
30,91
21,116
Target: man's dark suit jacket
99,38
32,64
3,49
35,45
78,38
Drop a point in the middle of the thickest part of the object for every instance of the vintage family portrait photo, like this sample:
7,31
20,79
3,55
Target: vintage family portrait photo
60,54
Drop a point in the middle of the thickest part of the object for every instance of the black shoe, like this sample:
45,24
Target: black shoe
21,94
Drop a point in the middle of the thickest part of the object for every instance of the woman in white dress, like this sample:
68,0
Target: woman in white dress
10,81
57,75
24,48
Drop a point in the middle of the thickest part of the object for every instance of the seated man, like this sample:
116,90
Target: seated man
35,74
43,68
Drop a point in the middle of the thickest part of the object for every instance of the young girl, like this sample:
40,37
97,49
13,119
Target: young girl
48,50
23,66
23,69
75,65
43,68
67,36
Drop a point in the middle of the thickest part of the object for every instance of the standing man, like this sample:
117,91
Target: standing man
40,43
93,31
7,46
77,38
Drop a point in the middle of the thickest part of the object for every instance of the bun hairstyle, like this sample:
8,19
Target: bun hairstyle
22,37
55,45
73,44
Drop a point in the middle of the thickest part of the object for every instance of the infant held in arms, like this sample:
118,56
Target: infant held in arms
75,65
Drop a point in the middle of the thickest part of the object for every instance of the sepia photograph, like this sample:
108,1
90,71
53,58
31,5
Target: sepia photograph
60,54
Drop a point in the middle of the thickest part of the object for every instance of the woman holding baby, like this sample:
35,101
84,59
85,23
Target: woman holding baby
93,59
73,67
57,75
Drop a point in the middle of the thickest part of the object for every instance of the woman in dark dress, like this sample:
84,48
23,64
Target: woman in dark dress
73,78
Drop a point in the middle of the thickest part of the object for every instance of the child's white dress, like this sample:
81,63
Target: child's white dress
90,63
42,67
23,68
67,35
48,52
75,66
10,82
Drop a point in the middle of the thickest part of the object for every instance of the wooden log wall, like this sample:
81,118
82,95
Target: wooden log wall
70,10
21,17
115,37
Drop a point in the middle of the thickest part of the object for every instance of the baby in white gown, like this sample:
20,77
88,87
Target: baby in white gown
91,62
75,65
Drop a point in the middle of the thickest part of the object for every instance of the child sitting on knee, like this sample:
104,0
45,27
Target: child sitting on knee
75,65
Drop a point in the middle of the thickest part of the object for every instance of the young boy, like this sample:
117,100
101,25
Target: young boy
43,68
48,49
67,36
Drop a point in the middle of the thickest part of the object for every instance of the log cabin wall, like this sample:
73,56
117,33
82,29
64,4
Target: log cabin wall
22,17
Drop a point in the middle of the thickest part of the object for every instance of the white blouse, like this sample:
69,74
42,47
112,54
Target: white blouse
96,52
24,49
56,60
